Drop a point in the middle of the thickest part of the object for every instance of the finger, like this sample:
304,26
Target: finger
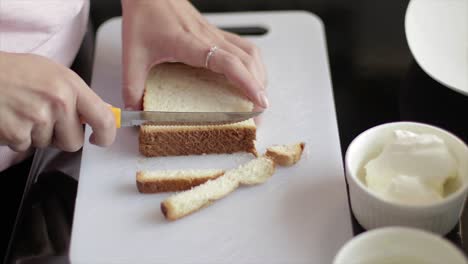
68,133
250,49
134,78
258,119
232,67
41,135
193,52
20,141
43,121
248,61
22,147
97,114
190,51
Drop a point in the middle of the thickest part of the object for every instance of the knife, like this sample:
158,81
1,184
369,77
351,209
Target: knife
124,118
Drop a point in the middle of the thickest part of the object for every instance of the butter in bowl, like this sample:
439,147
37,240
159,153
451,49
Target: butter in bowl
407,174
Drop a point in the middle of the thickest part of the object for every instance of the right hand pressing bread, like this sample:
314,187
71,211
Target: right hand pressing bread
183,35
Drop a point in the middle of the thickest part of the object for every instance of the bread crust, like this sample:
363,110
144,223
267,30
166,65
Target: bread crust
167,209
286,159
171,185
154,142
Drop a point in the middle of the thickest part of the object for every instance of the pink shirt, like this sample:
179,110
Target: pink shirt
51,28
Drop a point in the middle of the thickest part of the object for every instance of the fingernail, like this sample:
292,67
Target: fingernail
129,108
263,99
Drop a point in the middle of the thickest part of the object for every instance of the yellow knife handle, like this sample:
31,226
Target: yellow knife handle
117,112
117,115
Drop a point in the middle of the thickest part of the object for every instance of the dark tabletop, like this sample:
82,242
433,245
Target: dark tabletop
375,78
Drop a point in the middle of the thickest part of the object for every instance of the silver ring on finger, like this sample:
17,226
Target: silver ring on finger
210,54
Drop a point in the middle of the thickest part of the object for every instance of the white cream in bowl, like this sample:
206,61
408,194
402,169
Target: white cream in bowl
412,168
407,174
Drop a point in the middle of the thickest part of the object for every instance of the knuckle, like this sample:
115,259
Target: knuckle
204,30
54,82
186,28
41,116
210,32
60,99
20,145
252,50
106,122
232,61
202,24
106,130
58,93
249,63
19,137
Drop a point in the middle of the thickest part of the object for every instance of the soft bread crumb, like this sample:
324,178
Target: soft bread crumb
254,172
286,155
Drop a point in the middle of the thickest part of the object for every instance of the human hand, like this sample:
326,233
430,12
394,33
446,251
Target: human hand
157,31
41,103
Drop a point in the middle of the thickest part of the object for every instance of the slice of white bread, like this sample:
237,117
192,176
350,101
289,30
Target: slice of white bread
180,180
173,180
254,172
181,88
286,155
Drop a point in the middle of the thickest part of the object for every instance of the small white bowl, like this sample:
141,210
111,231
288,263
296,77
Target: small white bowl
371,211
399,245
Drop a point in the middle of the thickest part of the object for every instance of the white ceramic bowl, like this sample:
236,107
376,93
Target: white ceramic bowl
399,245
372,211
436,31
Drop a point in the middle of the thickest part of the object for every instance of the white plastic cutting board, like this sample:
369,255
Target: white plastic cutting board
300,215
